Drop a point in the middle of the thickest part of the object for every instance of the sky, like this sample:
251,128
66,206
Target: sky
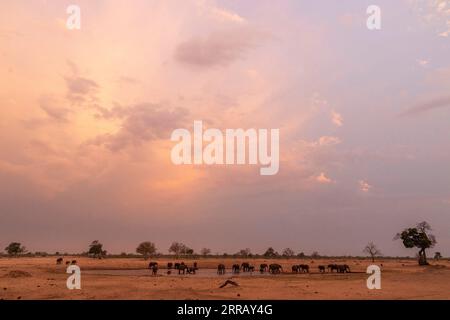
86,118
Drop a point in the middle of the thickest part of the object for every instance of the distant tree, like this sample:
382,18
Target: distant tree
418,237
372,250
288,252
437,256
96,249
176,248
15,248
315,255
179,248
301,255
147,249
205,252
245,252
270,253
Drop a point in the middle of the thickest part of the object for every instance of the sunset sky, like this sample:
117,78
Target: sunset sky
86,117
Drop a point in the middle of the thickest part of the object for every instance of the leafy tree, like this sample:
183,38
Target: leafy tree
288,252
179,248
315,255
96,249
147,249
301,255
418,237
15,248
372,250
270,253
205,252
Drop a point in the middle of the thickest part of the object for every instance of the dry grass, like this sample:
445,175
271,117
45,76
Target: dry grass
41,278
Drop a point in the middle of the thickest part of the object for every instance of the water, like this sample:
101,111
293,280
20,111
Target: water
204,273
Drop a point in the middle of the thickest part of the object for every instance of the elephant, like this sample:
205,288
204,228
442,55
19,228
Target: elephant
169,265
182,268
73,262
295,269
263,267
59,260
321,269
191,270
245,266
275,268
332,267
235,268
251,268
343,268
154,269
303,268
152,264
221,269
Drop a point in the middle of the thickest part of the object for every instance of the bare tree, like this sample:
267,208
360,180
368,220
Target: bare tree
245,252
372,250
205,252
288,252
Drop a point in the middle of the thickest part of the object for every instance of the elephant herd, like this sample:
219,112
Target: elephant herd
275,268
181,267
68,262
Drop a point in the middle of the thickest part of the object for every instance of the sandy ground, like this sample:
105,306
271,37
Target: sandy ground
41,278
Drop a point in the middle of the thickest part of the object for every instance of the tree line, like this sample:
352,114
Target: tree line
419,237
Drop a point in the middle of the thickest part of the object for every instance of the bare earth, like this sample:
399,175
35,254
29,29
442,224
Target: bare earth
41,278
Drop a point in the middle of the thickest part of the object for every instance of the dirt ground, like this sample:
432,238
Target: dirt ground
41,278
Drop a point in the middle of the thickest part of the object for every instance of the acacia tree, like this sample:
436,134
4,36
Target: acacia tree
372,250
205,252
270,253
15,248
96,249
418,237
147,249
